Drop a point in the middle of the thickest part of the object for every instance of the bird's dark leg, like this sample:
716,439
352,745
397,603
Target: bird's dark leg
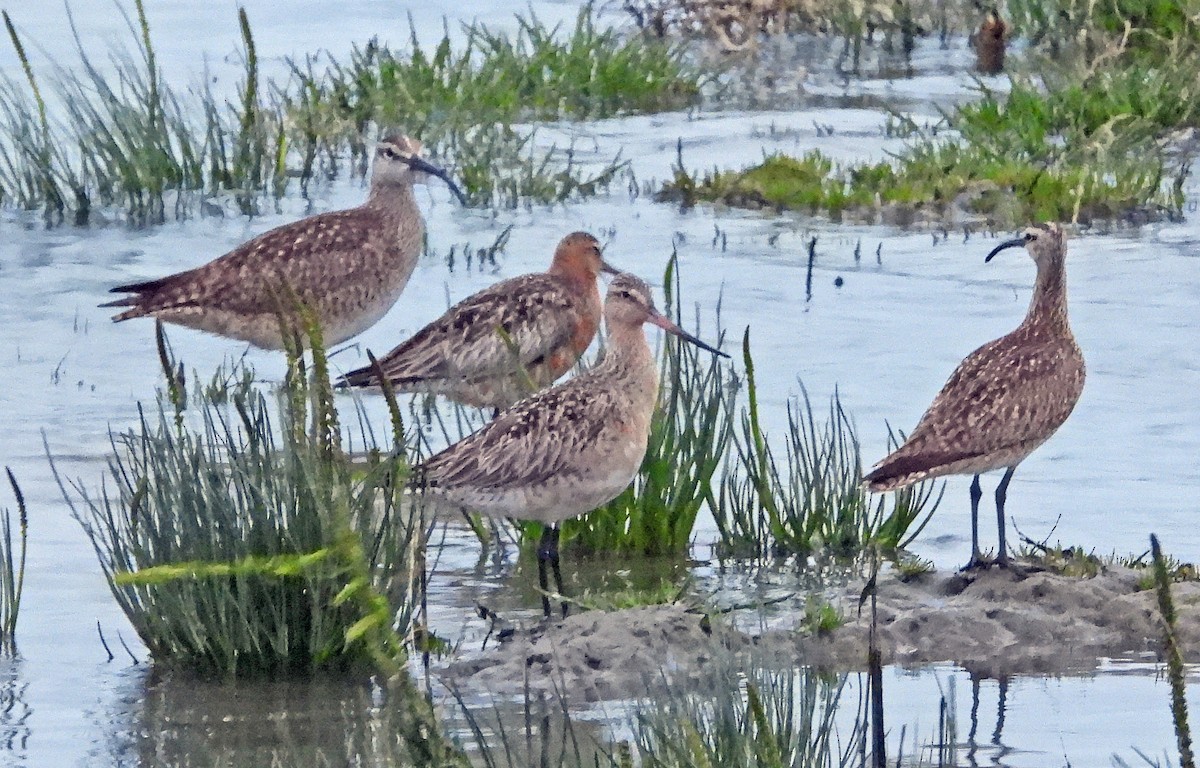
495,413
1001,491
548,544
558,579
548,553
976,555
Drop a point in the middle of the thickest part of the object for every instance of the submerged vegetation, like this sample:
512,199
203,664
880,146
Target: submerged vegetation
129,143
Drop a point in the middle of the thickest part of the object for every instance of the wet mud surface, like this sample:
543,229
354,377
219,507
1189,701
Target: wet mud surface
994,623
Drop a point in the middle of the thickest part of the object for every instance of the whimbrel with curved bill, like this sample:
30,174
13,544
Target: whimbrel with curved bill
1004,400
566,450
348,267
507,341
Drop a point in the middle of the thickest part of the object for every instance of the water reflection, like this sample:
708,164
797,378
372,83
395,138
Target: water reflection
181,721
994,749
15,712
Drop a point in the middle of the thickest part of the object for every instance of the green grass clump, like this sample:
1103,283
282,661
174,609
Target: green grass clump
12,568
1089,134
934,179
128,144
583,72
821,617
239,541
810,500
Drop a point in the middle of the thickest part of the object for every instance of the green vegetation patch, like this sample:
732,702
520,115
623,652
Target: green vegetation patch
1089,133
132,145
240,542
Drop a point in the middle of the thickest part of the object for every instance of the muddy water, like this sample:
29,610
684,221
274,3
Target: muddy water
886,339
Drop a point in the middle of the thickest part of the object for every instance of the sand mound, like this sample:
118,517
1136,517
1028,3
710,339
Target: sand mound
598,656
996,622
991,622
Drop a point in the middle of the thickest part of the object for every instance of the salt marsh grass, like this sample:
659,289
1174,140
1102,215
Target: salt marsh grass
240,541
12,566
809,500
87,144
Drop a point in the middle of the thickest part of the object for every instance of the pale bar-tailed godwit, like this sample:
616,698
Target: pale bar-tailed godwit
348,267
566,450
507,341
1005,399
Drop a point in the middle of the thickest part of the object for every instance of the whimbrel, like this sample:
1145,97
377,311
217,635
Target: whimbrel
564,451
990,41
507,341
1005,399
348,266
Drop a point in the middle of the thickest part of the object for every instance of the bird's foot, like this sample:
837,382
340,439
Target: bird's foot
977,563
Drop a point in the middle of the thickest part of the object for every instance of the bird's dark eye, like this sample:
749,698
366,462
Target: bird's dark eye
1030,236
387,152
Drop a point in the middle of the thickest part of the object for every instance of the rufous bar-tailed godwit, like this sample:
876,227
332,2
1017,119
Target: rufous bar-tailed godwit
507,341
564,451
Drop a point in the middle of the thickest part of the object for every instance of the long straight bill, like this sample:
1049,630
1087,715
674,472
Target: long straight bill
663,322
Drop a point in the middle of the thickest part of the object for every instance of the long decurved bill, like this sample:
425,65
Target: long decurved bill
663,322
1016,242
608,269
420,164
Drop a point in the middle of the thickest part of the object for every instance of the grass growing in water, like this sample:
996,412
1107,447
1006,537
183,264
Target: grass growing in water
244,544
131,144
813,500
1088,134
12,568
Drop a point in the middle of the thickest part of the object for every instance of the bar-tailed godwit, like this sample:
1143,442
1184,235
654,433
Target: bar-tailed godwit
507,341
348,266
1004,400
564,451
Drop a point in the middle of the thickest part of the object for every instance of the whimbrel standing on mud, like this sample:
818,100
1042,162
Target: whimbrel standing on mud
1003,401
564,451
348,266
507,341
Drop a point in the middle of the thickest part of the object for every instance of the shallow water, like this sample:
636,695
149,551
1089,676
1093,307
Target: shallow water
1123,466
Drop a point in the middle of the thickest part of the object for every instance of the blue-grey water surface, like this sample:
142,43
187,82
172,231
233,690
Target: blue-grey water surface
1124,465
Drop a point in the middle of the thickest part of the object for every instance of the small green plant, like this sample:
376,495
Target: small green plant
910,567
813,499
821,616
12,567
240,541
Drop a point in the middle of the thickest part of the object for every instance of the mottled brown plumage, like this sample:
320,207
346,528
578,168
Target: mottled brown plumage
990,42
348,266
507,341
1006,398
564,451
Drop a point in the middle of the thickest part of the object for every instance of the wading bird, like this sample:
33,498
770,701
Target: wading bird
1004,400
348,267
566,450
507,341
